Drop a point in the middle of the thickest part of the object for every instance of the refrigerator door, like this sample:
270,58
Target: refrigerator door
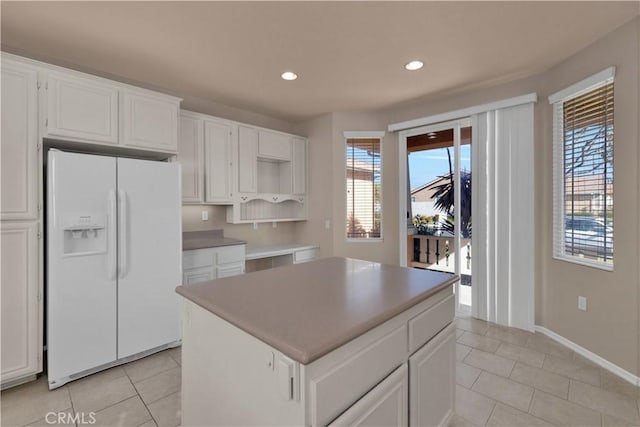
81,265
150,249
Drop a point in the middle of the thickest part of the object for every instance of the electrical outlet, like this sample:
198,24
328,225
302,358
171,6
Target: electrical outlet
205,215
582,303
255,225
327,224
274,224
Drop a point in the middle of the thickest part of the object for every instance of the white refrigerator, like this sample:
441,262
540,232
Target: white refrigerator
114,250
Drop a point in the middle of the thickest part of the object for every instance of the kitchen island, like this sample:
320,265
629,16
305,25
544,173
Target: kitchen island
335,340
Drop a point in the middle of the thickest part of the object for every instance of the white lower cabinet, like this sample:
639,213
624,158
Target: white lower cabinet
202,265
385,405
21,305
432,393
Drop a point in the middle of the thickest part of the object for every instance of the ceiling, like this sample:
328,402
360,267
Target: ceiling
349,55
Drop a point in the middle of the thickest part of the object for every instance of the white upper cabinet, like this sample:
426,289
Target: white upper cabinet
18,151
217,150
149,121
247,159
299,165
275,146
190,156
81,109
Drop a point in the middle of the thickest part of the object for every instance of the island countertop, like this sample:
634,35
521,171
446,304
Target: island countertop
307,310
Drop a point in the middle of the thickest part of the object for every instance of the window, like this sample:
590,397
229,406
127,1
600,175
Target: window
364,187
583,171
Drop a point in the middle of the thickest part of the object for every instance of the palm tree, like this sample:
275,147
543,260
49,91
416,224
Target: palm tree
444,200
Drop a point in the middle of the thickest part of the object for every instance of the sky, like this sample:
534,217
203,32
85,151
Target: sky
425,166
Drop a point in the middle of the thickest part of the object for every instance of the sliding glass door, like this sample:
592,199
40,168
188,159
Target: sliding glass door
439,233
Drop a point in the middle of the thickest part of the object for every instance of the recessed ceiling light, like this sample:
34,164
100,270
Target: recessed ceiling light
414,65
288,75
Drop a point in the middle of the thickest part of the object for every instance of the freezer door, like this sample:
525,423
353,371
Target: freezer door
150,255
80,279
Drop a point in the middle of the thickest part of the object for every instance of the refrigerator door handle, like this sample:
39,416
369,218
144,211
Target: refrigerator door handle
122,228
112,252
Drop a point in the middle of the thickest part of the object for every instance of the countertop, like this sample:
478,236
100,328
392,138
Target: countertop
207,239
257,252
307,310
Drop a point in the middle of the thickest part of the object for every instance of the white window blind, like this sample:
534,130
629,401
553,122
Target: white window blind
583,126
363,188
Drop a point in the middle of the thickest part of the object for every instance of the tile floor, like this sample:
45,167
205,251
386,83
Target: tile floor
505,377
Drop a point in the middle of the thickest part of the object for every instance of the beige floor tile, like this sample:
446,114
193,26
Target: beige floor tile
507,416
458,421
64,418
614,383
525,355
583,360
459,332
470,324
131,412
462,351
604,401
504,390
609,421
562,412
490,362
167,411
546,345
472,406
31,402
149,366
159,386
466,375
542,380
176,354
479,341
573,369
149,423
101,390
510,335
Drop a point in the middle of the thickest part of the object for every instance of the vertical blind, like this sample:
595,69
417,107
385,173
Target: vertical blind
363,188
584,129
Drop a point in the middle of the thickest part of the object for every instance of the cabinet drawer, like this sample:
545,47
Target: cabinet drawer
229,254
230,270
197,275
274,146
198,258
427,324
305,255
336,390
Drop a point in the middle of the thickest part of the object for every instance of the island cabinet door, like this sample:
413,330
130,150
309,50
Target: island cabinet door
385,405
432,381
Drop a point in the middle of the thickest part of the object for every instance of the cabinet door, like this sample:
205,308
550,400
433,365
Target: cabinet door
197,275
217,151
274,146
190,156
21,345
149,121
385,405
18,151
81,109
299,166
247,160
432,380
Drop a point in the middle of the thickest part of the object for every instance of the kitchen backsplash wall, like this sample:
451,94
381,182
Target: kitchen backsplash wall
264,235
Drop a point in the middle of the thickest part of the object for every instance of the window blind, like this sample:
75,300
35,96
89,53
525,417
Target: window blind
583,175
363,188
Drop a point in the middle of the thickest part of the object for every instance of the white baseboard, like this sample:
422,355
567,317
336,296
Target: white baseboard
603,363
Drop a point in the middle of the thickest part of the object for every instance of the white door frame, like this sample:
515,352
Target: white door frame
456,125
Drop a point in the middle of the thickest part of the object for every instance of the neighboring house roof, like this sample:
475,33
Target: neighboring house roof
429,185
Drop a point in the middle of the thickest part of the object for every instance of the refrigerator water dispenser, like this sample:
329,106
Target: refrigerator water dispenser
84,234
